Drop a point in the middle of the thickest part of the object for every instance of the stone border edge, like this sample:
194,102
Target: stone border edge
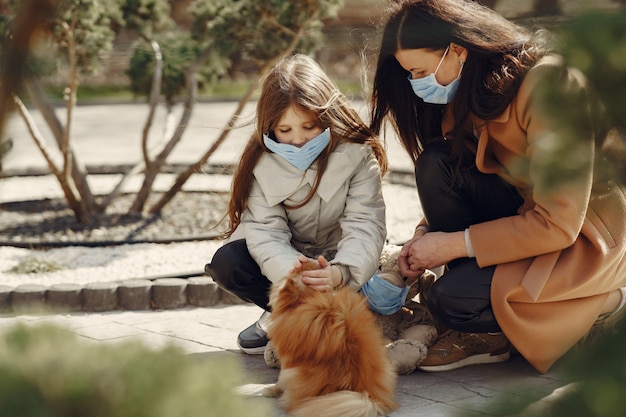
131,294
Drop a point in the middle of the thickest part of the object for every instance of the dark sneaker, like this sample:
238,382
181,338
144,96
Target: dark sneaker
454,349
253,339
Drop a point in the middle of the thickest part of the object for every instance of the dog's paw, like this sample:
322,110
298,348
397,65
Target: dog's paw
405,355
271,360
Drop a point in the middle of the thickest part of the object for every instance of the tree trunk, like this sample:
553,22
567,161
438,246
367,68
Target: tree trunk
154,168
71,195
78,170
155,92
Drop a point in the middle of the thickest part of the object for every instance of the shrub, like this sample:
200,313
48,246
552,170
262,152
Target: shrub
46,372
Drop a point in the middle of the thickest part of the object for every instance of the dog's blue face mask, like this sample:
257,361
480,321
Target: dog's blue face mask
384,297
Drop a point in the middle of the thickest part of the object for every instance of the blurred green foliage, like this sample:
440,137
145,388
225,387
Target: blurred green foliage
47,372
257,30
595,44
596,374
148,17
178,52
225,34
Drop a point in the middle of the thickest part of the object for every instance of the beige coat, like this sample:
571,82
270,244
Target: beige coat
345,220
560,256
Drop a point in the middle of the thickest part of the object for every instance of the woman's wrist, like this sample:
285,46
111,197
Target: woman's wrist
420,230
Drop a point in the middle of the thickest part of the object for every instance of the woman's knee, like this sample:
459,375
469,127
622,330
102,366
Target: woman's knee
462,304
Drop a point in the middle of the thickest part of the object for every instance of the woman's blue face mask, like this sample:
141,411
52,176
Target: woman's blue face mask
428,88
300,157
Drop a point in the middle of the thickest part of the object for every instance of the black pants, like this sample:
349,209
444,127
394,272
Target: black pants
235,271
452,201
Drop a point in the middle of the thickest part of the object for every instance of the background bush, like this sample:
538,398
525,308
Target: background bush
47,372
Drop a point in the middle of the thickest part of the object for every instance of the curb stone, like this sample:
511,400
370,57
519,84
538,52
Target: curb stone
133,294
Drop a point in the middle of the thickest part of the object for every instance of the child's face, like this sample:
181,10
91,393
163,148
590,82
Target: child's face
296,127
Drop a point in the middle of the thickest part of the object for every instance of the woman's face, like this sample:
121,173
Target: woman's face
423,61
296,127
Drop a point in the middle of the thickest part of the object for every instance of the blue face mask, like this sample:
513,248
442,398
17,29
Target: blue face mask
301,157
384,297
428,88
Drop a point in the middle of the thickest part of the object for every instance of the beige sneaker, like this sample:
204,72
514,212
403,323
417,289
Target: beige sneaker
454,349
606,323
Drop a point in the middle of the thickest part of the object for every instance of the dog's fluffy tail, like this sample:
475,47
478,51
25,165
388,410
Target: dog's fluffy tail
339,404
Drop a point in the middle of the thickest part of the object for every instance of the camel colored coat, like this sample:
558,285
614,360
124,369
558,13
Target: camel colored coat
558,259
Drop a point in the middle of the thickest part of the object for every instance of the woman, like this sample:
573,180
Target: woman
308,186
528,263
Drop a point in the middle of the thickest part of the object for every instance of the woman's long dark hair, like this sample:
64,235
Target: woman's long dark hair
500,53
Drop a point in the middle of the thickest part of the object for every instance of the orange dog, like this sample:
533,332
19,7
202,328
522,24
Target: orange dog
332,353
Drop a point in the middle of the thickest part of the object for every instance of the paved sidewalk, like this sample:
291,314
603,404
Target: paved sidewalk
212,332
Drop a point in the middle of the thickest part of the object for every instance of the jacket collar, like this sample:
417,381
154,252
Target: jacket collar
279,179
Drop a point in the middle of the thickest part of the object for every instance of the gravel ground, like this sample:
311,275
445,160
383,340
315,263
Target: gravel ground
50,220
188,214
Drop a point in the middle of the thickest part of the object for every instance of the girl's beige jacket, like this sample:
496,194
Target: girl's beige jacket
344,221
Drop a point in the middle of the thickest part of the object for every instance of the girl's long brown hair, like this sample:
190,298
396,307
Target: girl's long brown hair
500,52
298,80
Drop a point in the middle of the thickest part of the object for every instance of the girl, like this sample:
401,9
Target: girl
308,187
528,263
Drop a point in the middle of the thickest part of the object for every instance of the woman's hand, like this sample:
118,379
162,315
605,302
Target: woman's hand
325,278
430,250
403,259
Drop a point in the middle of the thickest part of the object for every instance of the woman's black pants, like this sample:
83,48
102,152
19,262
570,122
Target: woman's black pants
452,200
235,271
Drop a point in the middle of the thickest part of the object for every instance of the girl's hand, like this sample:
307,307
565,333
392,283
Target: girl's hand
325,278
299,263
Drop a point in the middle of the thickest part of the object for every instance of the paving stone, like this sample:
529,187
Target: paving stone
100,296
135,294
65,297
28,298
5,298
168,293
202,292
228,298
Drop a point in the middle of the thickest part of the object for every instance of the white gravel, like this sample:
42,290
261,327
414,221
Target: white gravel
82,265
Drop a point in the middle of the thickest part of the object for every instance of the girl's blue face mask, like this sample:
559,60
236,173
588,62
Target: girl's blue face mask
300,157
428,88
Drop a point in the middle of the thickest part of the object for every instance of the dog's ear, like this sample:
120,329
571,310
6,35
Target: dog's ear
287,293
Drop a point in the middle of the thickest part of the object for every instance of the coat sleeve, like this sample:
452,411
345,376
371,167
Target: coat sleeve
559,193
362,224
268,235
